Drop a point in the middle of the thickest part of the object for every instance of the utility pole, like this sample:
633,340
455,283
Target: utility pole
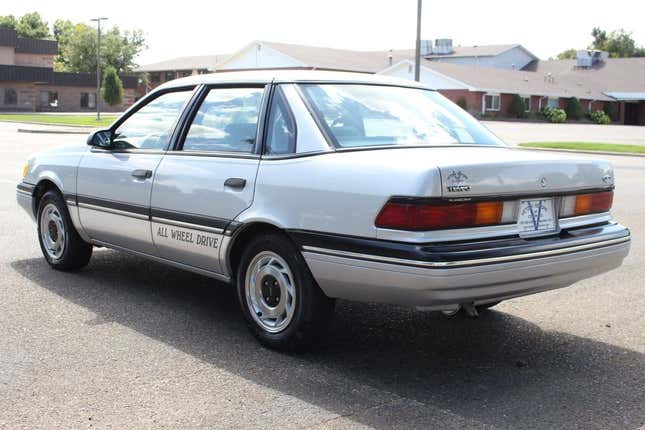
417,53
98,67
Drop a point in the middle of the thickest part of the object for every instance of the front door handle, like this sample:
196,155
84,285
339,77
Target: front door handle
142,173
235,183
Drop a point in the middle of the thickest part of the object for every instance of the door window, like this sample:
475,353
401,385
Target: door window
227,120
151,126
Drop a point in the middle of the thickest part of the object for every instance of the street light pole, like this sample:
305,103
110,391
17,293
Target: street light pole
417,53
98,67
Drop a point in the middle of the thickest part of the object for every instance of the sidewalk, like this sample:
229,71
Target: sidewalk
49,128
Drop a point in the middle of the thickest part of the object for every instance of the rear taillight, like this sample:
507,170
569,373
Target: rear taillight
427,216
593,203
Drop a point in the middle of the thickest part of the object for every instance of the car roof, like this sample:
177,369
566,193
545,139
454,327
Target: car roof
289,76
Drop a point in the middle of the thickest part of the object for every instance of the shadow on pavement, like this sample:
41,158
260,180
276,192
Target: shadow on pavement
380,365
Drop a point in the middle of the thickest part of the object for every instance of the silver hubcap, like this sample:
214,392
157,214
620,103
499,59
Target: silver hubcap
52,231
270,291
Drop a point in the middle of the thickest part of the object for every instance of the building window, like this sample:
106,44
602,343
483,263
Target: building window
155,77
492,101
169,76
185,73
49,99
10,97
88,100
552,102
527,103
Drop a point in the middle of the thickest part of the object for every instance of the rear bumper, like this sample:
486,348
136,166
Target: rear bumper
445,275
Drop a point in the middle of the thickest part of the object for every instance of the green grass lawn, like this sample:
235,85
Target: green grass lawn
587,146
73,120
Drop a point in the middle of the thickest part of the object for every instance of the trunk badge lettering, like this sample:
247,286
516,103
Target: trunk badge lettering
457,177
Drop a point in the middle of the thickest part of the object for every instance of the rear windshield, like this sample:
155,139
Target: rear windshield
356,115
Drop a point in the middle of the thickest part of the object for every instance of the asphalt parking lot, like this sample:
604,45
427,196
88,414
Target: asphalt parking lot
127,343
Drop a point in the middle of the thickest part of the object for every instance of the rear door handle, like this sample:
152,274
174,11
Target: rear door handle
142,173
235,183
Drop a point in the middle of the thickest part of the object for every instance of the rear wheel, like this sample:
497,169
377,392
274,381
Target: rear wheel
59,241
283,306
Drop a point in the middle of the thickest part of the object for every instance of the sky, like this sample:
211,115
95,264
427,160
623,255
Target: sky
192,27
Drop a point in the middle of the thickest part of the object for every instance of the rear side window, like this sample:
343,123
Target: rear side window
227,120
151,126
281,132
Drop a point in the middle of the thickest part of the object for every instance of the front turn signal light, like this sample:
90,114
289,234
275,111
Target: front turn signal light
25,170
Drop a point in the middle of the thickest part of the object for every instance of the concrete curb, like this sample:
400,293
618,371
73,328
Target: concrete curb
52,131
576,151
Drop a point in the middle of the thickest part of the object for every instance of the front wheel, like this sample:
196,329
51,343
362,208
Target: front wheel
282,304
59,241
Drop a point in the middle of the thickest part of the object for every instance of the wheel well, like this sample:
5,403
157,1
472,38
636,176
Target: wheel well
241,239
41,188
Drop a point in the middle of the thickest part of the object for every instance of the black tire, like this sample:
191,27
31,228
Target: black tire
76,253
312,310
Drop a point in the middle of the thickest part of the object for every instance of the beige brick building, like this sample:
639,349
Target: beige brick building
29,83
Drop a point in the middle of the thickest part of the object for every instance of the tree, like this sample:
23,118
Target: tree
118,50
31,25
574,109
618,43
112,87
63,32
517,108
568,54
8,22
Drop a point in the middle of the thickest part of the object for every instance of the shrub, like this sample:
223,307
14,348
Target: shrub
462,103
574,109
611,110
517,108
112,87
600,117
555,115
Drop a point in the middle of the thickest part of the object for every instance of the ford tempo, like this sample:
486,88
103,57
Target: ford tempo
302,187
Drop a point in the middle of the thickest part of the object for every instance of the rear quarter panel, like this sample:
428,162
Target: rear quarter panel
338,192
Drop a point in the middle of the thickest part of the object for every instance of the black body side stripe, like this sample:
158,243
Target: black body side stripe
111,204
226,225
203,220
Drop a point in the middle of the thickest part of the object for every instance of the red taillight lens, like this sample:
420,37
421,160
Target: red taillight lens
414,216
593,203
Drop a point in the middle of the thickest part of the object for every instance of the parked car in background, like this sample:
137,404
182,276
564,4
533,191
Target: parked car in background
300,188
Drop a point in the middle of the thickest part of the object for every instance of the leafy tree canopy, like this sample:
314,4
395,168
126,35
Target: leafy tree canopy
112,87
618,43
29,25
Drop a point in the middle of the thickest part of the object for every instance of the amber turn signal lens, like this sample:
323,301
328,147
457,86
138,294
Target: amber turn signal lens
593,203
25,170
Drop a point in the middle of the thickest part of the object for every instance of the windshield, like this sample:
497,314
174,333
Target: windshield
356,115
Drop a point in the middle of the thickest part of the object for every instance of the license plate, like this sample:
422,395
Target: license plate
536,216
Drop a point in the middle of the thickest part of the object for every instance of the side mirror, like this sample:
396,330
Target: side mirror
100,139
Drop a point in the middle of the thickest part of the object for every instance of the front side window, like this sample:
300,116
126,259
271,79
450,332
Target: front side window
281,131
356,115
227,120
10,96
492,101
151,126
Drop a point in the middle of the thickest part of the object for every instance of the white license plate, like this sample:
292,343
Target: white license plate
536,216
